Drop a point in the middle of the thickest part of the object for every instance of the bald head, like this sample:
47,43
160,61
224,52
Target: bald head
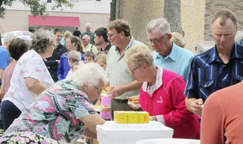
86,37
85,40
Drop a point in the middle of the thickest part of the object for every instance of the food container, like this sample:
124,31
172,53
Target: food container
168,141
129,117
112,133
120,117
143,117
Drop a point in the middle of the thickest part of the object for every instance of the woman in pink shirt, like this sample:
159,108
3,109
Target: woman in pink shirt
162,93
17,47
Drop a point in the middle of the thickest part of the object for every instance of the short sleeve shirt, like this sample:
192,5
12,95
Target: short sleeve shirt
117,69
90,47
4,57
30,65
55,113
177,61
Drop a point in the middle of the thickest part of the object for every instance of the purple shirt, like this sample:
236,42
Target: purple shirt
7,75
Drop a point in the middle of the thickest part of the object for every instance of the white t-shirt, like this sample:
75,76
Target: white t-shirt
30,65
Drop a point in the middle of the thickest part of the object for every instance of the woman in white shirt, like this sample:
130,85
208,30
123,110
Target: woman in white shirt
30,77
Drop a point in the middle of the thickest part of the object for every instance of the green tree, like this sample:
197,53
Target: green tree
37,7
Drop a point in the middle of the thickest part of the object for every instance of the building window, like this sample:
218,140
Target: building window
49,1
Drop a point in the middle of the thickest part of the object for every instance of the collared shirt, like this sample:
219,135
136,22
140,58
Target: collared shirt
177,61
117,69
167,103
158,82
106,48
90,47
209,73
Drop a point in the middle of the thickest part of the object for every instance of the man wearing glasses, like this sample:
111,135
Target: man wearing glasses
87,46
166,53
125,85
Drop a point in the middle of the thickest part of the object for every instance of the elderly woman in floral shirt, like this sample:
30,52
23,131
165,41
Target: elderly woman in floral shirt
63,111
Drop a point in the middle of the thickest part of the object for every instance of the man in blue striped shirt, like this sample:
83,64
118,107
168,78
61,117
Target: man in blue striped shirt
218,67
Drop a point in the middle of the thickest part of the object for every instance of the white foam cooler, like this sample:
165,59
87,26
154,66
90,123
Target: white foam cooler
112,133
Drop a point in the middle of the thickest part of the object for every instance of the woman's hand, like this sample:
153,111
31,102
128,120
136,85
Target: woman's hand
129,100
90,123
152,118
132,97
106,108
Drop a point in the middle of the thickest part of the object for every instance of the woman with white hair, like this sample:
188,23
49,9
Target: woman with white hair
30,77
62,111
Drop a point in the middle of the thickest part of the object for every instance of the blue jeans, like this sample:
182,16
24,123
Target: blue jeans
9,113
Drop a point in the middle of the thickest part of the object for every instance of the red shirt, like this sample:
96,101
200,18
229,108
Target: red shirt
222,117
168,100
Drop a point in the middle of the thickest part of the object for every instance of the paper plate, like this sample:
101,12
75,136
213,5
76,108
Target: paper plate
98,107
104,94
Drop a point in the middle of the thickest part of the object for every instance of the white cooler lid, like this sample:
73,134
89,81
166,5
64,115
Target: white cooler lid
168,141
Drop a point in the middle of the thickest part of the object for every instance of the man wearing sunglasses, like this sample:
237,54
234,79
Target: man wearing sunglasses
166,53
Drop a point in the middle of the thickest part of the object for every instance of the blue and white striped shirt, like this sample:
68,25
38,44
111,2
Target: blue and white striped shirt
209,73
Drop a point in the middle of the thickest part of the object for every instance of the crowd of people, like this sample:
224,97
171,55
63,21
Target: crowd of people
48,89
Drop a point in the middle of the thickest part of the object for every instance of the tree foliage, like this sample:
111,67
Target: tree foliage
37,7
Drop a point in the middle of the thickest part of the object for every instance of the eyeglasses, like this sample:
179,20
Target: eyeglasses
99,91
83,39
111,35
131,71
156,41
